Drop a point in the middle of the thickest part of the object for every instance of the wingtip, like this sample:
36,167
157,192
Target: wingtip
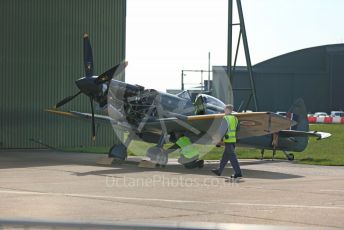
51,109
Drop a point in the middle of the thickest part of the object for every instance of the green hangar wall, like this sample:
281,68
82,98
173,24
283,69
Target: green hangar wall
315,74
41,56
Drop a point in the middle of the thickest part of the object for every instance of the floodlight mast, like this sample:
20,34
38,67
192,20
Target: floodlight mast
242,33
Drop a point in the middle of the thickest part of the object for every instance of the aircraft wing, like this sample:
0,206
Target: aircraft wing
251,124
88,117
295,133
79,115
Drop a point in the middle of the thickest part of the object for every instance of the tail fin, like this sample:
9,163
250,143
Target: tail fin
298,113
293,141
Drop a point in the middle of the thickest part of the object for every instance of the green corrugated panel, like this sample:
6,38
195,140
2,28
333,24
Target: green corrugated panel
41,57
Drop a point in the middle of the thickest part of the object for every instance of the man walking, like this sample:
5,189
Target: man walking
228,131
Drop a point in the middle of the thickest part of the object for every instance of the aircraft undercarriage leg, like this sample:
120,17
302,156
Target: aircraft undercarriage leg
274,144
289,156
157,153
273,154
262,154
120,151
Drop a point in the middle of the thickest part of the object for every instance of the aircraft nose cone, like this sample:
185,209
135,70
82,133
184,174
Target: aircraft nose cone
88,86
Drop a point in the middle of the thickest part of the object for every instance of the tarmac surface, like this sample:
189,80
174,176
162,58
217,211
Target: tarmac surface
48,185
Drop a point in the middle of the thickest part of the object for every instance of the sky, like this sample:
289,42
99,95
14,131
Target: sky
164,37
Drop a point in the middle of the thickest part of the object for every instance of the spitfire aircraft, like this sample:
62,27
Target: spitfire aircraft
159,117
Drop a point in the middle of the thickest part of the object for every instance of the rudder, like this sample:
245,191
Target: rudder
298,113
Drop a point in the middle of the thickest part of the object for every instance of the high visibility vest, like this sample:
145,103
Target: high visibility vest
230,136
187,149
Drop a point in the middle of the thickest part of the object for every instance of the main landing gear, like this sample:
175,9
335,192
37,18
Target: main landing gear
120,151
158,154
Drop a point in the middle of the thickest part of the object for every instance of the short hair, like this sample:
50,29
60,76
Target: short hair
229,106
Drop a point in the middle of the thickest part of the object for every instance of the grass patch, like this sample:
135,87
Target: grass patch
329,151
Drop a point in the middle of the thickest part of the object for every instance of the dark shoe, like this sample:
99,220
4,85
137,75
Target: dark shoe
216,172
192,164
236,176
200,164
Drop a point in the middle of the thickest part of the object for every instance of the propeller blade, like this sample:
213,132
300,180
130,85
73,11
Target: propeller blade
66,100
111,73
93,122
88,58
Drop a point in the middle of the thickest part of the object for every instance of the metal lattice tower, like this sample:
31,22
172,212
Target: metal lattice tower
242,34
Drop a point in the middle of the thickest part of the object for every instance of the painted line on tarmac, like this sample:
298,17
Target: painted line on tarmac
171,201
331,190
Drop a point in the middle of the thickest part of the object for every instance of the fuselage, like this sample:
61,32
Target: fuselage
134,104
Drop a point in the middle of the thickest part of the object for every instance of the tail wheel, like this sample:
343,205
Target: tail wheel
290,157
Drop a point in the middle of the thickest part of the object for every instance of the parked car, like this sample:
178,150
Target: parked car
337,114
320,114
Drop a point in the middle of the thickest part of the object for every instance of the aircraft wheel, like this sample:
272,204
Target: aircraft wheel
160,166
153,152
158,154
162,158
290,157
118,152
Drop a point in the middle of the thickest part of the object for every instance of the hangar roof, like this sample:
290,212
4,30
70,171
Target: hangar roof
309,59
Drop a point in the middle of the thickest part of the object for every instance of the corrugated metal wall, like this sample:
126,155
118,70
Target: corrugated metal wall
41,55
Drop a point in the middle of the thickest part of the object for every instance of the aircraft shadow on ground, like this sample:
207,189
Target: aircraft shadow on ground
26,159
120,169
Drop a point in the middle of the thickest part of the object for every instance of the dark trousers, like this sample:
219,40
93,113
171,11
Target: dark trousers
229,155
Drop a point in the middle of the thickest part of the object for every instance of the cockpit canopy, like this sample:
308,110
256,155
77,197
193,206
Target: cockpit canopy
206,104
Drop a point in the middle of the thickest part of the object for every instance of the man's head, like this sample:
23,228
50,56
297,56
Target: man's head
228,109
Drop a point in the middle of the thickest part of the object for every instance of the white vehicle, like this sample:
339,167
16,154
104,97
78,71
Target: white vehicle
284,114
337,114
320,114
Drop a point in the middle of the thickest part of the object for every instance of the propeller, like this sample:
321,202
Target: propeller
93,123
66,100
92,86
109,74
88,57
